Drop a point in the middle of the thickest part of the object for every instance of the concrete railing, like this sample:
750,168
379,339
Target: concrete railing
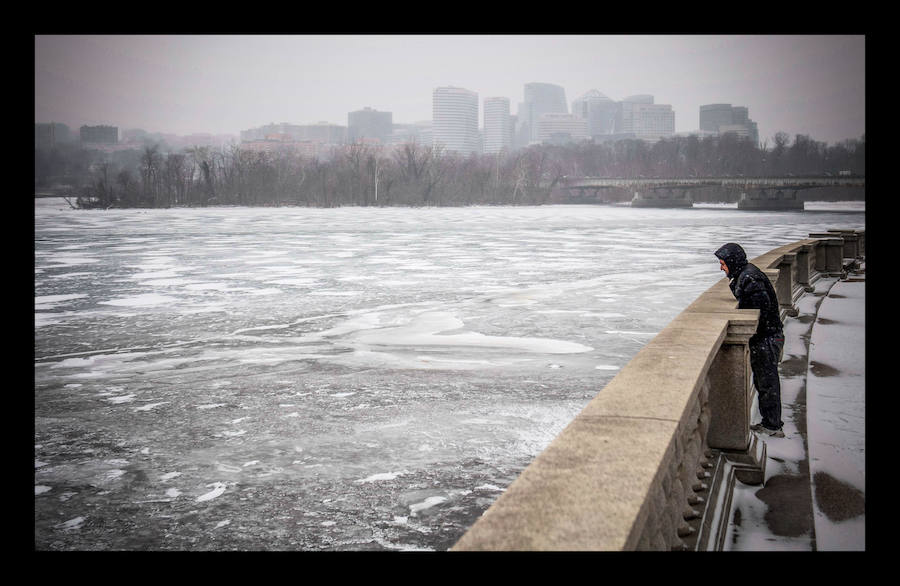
651,462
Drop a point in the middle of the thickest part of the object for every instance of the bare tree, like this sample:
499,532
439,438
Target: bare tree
150,175
127,183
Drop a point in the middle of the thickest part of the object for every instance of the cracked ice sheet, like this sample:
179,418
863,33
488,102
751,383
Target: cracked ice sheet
538,275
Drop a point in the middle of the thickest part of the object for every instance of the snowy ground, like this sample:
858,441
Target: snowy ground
836,407
351,378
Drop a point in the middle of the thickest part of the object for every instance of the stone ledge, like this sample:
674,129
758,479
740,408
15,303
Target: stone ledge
587,491
590,488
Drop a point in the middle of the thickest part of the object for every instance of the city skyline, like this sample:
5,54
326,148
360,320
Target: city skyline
188,84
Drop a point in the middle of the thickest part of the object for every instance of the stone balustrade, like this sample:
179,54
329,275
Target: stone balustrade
650,463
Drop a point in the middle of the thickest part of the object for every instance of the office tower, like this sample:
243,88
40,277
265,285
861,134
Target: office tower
598,110
722,118
714,115
48,135
557,128
368,124
740,115
455,119
638,115
497,125
540,98
99,134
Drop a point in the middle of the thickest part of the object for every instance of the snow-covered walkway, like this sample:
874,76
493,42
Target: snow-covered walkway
814,494
836,405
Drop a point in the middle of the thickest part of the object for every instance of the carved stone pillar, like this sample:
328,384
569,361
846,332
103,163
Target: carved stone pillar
805,266
730,401
729,394
819,253
851,242
833,255
784,284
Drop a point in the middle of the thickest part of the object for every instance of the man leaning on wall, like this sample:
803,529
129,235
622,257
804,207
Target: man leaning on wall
753,290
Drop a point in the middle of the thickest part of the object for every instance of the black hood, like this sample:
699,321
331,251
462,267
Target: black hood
735,258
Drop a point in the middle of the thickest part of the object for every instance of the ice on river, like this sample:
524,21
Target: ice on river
350,378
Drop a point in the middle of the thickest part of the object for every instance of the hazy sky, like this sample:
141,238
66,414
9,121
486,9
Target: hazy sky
802,84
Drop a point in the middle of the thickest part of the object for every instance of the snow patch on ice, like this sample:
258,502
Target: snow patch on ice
383,476
218,489
71,524
47,302
144,300
429,502
150,406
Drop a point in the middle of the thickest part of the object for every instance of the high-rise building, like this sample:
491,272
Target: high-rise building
740,115
714,115
99,134
48,135
558,128
722,118
455,119
369,124
598,110
540,98
638,115
497,125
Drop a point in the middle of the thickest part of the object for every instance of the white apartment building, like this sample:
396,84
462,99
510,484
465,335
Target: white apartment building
498,130
455,119
646,120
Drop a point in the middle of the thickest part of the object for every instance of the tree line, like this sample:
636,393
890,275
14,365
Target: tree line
413,174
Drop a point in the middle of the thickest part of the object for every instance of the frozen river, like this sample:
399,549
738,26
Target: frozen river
337,379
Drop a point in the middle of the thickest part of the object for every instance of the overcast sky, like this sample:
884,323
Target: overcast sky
805,84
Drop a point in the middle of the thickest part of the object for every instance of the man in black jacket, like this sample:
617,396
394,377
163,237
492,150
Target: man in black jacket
753,290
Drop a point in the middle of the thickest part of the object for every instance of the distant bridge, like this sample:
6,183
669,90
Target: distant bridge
674,190
570,182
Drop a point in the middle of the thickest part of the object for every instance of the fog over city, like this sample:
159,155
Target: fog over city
222,84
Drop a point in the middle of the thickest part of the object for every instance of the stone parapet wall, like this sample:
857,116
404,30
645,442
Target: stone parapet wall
650,462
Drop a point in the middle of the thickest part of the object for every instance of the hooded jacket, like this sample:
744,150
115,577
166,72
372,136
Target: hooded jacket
752,288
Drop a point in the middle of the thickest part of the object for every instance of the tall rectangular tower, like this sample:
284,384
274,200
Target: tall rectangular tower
455,119
540,98
369,124
497,125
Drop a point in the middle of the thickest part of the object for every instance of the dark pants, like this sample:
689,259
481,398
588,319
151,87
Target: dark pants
765,354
